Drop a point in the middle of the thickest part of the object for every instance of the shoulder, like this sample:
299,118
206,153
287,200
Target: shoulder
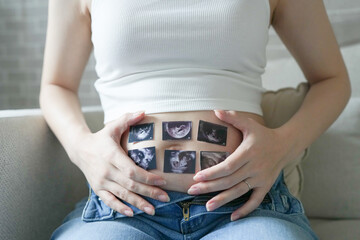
78,7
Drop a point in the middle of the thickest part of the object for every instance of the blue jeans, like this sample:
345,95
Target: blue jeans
279,216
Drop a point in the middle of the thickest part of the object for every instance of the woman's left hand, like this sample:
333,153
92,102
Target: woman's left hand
259,160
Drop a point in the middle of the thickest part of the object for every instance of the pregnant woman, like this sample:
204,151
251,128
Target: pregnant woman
184,152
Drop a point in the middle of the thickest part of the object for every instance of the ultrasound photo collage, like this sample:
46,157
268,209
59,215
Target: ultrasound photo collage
144,157
176,130
180,130
209,159
141,132
178,161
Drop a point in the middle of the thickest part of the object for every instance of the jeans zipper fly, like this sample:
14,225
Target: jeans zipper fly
186,205
186,209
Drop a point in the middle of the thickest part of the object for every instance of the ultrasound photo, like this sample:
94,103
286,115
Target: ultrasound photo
212,133
177,130
209,159
141,132
144,157
177,161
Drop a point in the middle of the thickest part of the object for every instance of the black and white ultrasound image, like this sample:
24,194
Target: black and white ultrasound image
209,159
141,132
176,130
177,161
212,133
144,157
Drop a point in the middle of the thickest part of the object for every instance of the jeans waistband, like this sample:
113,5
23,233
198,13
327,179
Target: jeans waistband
95,209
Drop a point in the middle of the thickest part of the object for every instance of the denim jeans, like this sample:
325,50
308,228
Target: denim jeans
279,216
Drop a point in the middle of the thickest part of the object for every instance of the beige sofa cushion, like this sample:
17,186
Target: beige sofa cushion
332,179
336,229
278,107
39,184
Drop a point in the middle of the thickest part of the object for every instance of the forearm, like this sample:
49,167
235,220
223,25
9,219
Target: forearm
322,105
62,111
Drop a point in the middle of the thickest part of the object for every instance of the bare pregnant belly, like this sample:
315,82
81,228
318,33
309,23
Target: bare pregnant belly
176,145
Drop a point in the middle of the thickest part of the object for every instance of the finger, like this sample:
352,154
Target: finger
232,163
240,122
130,197
134,172
111,201
139,188
118,126
227,196
221,183
255,200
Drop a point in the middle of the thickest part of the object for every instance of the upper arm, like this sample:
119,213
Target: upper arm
305,29
68,43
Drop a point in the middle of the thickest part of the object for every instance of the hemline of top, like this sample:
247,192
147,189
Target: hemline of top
183,106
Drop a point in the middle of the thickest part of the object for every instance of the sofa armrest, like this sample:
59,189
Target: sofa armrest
40,184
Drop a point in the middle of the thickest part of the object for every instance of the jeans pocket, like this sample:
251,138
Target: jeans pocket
96,210
291,202
284,201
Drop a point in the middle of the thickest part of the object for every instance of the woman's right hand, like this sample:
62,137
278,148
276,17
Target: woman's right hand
112,173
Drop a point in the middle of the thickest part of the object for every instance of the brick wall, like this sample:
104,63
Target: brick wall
22,38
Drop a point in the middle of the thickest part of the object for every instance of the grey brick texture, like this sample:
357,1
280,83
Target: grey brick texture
22,39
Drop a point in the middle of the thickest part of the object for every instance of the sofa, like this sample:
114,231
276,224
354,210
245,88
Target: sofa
40,185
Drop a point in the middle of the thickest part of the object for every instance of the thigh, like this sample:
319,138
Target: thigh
106,230
259,227
283,218
73,227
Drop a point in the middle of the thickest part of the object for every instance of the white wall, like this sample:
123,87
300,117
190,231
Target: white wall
283,71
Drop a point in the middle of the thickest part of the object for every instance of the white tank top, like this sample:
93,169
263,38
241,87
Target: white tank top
179,55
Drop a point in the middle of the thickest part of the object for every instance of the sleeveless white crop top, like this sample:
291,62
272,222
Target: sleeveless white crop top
179,55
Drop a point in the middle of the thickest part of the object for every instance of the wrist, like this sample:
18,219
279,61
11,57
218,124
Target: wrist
77,137
290,142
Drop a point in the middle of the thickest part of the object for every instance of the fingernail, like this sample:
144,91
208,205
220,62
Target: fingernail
135,114
210,206
160,182
149,210
219,111
193,190
199,177
235,217
128,213
164,198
